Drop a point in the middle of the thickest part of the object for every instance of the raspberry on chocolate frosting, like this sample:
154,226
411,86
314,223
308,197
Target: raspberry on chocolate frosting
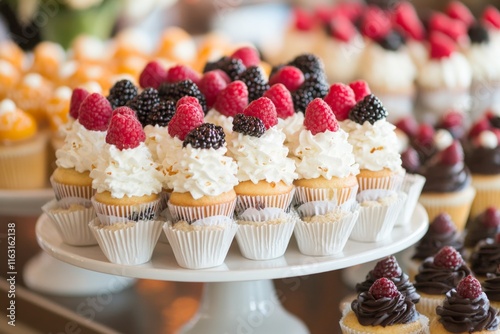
491,285
486,225
486,256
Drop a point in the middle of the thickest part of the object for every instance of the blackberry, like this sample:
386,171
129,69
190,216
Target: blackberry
121,92
392,41
162,113
174,91
248,125
478,34
144,103
368,109
308,91
232,66
495,122
205,136
257,85
310,65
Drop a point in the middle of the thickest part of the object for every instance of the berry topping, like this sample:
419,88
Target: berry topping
406,19
341,98
282,100
125,132
256,82
375,23
124,111
121,92
311,88
392,41
448,257
491,16
231,66
442,46
175,91
442,224
95,112
491,217
469,287
425,135
497,238
455,29
452,119
182,72
232,99
264,109
303,20
319,117
342,28
290,76
205,136
453,154
211,84
478,127
368,109
457,10
408,125
162,113
152,75
248,55
248,125
310,65
186,118
190,100
360,89
384,288
387,267
494,121
77,97
410,160
144,103
478,34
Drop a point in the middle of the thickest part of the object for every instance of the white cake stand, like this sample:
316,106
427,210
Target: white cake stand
240,296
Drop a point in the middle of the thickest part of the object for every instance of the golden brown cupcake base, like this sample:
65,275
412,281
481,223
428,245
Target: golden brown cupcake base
106,198
321,182
351,321
70,176
262,188
185,199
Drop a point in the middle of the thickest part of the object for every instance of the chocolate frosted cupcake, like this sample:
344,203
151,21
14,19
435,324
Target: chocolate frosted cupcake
436,276
486,225
465,309
486,256
383,309
491,287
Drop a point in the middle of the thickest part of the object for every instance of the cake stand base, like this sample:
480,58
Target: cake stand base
45,274
243,307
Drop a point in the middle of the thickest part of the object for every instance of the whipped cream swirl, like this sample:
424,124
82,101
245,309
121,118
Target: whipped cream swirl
453,72
170,148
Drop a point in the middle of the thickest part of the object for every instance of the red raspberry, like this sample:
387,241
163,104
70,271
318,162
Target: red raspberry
189,100
406,18
457,10
304,21
408,125
290,76
448,257
187,117
342,28
77,97
232,99
211,84
455,29
152,75
387,267
491,217
360,89
125,132
248,55
441,45
442,224
282,100
95,112
453,154
375,23
182,72
480,126
469,287
350,9
491,16
319,117
425,135
452,119
341,99
124,111
264,109
384,288
324,13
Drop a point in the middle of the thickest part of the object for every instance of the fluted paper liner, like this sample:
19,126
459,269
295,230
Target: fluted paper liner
62,190
427,306
129,246
392,182
376,223
281,201
339,196
204,248
424,328
192,213
72,226
111,214
412,186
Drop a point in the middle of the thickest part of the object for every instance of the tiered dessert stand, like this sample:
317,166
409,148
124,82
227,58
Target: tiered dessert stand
239,296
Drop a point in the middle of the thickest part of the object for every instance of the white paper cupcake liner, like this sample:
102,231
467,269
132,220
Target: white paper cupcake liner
281,201
424,328
427,306
192,213
72,226
392,182
339,196
204,248
65,190
376,223
412,186
111,214
127,245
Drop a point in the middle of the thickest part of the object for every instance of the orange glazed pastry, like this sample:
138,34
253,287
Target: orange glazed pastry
177,45
31,95
12,53
57,108
23,157
9,77
47,59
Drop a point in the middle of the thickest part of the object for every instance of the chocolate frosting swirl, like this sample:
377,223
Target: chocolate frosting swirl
445,178
485,258
383,311
482,160
464,315
476,231
436,280
402,283
491,287
432,242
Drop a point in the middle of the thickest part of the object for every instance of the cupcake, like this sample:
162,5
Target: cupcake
23,156
383,309
47,59
483,226
9,77
491,287
31,95
485,257
466,309
265,173
324,158
436,276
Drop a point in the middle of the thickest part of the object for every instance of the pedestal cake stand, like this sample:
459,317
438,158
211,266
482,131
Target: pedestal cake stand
239,296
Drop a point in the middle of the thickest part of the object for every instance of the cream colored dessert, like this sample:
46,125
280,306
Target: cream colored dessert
329,217
291,127
380,201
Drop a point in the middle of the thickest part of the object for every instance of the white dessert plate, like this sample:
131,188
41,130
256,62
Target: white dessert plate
24,202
